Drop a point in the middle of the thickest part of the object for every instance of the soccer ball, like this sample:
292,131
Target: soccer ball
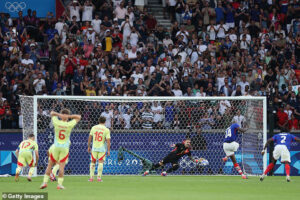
203,162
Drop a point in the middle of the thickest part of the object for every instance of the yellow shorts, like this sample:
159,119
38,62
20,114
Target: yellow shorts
25,158
59,154
97,156
51,150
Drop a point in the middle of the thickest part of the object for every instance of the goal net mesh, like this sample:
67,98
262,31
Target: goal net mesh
145,129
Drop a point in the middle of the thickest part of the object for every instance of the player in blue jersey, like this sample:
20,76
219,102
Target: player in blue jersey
282,142
230,146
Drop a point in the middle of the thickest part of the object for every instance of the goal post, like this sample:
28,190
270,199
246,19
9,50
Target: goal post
145,127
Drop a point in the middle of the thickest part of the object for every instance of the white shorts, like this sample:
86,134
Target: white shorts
283,152
230,148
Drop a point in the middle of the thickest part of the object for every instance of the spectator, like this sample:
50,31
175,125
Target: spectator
108,114
120,12
87,11
282,118
147,117
127,119
136,120
39,83
158,118
74,8
239,119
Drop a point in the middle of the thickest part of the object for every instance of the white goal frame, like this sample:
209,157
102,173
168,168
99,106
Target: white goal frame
135,98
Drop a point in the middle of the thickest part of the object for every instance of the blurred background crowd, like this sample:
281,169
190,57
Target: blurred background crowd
118,48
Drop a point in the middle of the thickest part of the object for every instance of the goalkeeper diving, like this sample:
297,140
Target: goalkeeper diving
180,150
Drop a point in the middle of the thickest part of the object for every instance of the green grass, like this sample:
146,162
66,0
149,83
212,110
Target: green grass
162,188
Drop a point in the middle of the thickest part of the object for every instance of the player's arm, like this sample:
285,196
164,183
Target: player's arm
17,152
242,130
89,143
76,117
55,114
297,139
193,159
174,145
108,146
36,157
266,145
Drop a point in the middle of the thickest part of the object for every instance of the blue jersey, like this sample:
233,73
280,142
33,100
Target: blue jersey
284,139
231,133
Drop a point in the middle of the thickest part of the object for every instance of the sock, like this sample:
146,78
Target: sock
46,178
60,181
287,169
31,170
100,169
238,168
92,170
55,169
18,170
269,168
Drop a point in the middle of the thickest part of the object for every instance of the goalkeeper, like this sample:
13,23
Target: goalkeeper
180,149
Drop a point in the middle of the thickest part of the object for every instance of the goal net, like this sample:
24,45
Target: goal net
144,128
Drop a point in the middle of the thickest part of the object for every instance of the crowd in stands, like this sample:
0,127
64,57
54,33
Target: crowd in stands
118,48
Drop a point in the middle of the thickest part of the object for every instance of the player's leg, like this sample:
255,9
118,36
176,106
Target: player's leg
30,161
61,172
21,164
237,166
63,156
286,159
54,158
92,165
230,149
276,156
268,169
158,165
56,166
54,172
47,174
174,167
287,171
100,166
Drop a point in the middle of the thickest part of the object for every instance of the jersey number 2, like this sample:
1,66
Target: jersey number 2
61,135
283,138
98,136
228,133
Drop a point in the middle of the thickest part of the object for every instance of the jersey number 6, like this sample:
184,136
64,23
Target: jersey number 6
61,135
98,136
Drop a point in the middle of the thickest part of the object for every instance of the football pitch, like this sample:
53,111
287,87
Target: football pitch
162,188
